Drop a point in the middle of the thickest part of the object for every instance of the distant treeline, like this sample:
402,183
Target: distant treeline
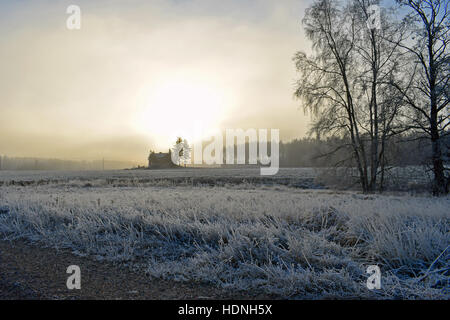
16,163
401,151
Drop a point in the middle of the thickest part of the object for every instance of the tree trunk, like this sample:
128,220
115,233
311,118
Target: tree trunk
439,184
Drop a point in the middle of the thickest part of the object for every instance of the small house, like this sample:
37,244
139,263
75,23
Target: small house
160,160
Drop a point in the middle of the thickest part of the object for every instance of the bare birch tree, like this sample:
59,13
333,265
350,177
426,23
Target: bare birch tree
344,82
425,86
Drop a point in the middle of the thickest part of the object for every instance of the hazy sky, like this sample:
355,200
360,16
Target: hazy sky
141,72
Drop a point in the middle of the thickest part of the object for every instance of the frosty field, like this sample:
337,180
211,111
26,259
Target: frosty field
283,237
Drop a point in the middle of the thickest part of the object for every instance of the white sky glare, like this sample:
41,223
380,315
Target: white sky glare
139,73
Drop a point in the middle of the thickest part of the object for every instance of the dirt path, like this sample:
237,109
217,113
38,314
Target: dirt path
31,272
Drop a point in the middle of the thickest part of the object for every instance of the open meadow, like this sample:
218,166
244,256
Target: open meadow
287,236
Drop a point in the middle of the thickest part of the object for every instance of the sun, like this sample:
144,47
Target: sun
190,109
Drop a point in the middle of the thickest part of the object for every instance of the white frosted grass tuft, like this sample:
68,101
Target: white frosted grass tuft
272,240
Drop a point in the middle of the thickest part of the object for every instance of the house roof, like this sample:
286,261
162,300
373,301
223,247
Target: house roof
159,155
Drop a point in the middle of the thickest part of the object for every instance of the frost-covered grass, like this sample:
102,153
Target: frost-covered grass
274,240
295,177
151,174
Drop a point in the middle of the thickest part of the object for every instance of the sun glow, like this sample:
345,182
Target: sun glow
189,109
